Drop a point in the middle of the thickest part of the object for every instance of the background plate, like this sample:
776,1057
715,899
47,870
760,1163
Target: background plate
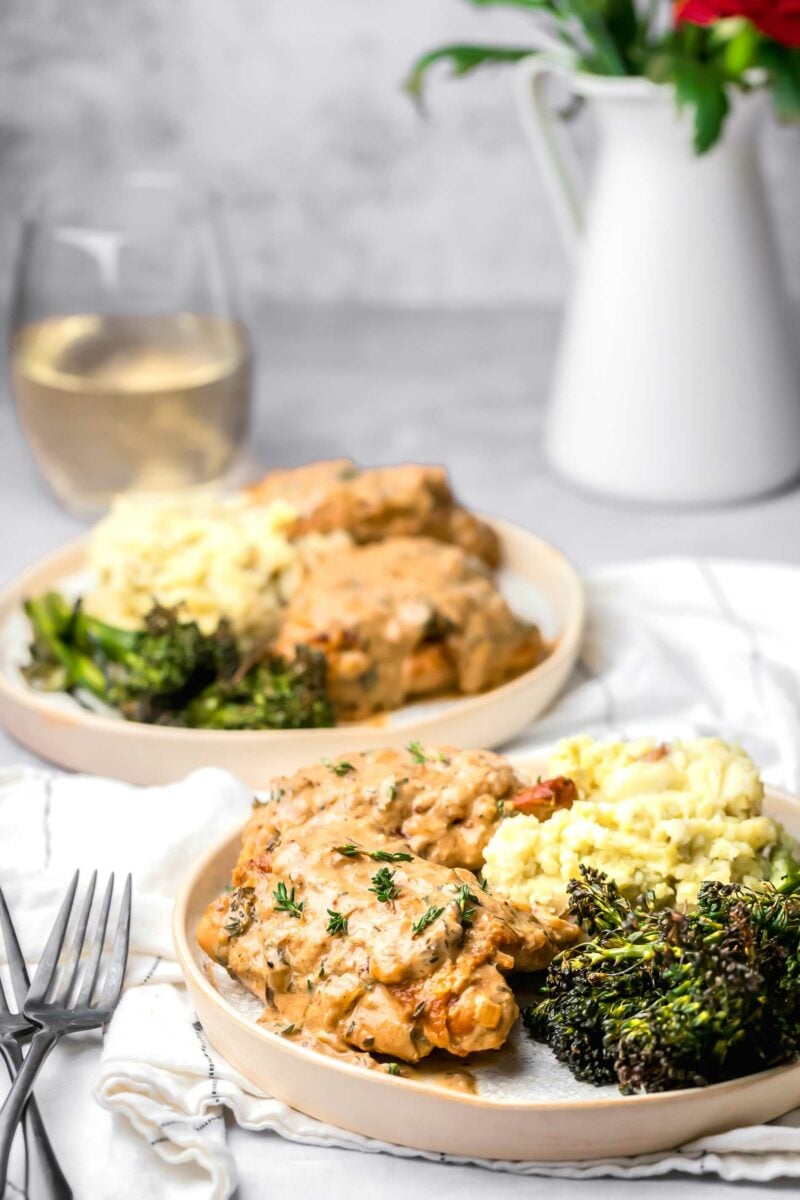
537,579
528,1106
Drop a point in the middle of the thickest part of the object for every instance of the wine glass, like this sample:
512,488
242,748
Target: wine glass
130,363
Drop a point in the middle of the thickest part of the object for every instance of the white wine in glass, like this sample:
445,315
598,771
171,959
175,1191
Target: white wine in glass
131,367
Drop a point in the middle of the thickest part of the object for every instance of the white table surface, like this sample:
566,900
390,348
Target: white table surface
466,389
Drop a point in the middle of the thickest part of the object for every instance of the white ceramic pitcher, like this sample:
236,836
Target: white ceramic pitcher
677,377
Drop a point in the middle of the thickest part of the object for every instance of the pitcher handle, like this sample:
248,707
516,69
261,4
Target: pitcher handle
552,148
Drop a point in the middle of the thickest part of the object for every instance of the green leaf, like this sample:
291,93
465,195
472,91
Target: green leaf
602,23
783,65
701,88
462,59
623,23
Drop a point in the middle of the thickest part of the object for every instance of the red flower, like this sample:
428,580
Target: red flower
778,19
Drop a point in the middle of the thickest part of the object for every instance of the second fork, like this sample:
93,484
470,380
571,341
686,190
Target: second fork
53,1002
44,1176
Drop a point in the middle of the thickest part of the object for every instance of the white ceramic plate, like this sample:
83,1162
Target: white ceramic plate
538,581
528,1106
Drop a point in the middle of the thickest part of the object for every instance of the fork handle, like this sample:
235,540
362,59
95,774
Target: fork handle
45,1177
42,1043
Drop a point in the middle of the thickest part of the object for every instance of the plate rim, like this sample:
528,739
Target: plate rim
16,692
190,967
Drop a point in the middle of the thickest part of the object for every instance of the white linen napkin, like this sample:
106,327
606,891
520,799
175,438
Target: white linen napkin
674,647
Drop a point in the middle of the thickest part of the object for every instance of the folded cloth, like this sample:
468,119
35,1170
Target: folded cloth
674,648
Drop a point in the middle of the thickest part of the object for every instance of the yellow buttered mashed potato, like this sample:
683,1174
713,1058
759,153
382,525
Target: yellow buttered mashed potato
215,557
657,819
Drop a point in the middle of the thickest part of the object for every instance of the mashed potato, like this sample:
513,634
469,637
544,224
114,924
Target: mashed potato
217,557
658,819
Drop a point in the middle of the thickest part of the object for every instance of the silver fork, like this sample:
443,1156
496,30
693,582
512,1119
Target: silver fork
44,1175
61,1002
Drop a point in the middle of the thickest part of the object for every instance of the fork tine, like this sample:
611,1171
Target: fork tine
93,965
119,953
73,962
49,960
16,963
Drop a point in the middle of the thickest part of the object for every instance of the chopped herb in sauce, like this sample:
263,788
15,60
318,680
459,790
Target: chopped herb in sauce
285,901
464,898
339,768
241,911
500,805
337,923
421,756
427,918
393,1068
384,886
288,1030
351,851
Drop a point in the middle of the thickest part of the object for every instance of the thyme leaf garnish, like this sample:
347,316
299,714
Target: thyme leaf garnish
351,851
337,923
427,918
464,898
339,768
383,885
285,901
421,755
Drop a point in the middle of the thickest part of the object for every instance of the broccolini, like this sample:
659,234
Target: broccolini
171,673
660,1000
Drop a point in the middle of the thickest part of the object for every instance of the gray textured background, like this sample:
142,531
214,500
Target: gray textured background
338,190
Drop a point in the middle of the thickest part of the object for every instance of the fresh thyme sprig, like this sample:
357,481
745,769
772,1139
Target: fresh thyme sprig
420,755
427,918
384,886
351,851
464,898
337,923
339,768
417,753
285,901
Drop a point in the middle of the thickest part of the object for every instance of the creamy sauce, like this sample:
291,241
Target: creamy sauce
358,944
406,618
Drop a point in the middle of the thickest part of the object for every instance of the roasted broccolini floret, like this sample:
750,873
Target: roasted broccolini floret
660,1000
171,672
